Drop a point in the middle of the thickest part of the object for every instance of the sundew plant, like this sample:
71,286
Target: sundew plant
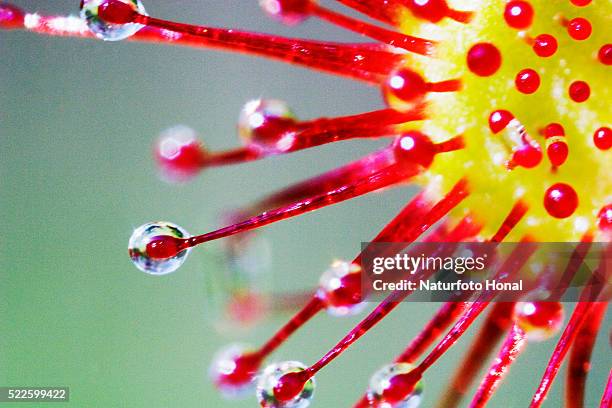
496,113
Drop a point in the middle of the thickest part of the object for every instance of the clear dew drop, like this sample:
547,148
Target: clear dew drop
383,378
340,289
267,124
142,236
107,31
269,379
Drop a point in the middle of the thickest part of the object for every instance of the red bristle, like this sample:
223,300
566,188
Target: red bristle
580,357
513,345
386,11
447,314
405,383
498,321
393,38
450,201
573,266
606,398
585,304
516,214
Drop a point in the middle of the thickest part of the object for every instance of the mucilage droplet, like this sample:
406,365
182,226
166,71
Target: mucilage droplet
140,242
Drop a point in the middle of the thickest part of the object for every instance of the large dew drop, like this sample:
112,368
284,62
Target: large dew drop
143,235
90,12
269,379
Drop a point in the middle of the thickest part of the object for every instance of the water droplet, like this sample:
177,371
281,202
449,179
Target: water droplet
269,380
142,237
340,288
381,385
267,124
90,12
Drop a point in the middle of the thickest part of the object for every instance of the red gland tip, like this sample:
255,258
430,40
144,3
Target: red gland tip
287,11
179,157
603,138
499,119
406,85
539,314
545,45
484,59
164,247
560,200
518,14
581,3
605,54
436,10
579,91
290,385
552,130
11,17
527,81
605,218
557,152
579,28
528,156
400,386
245,368
117,12
414,147
348,293
539,319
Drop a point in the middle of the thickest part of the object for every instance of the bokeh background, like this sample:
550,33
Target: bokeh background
77,122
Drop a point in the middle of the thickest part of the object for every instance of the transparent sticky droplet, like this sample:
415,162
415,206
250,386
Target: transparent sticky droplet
137,248
269,379
107,31
267,124
340,289
380,381
234,377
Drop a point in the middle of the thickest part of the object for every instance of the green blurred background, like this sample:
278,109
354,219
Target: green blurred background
77,121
